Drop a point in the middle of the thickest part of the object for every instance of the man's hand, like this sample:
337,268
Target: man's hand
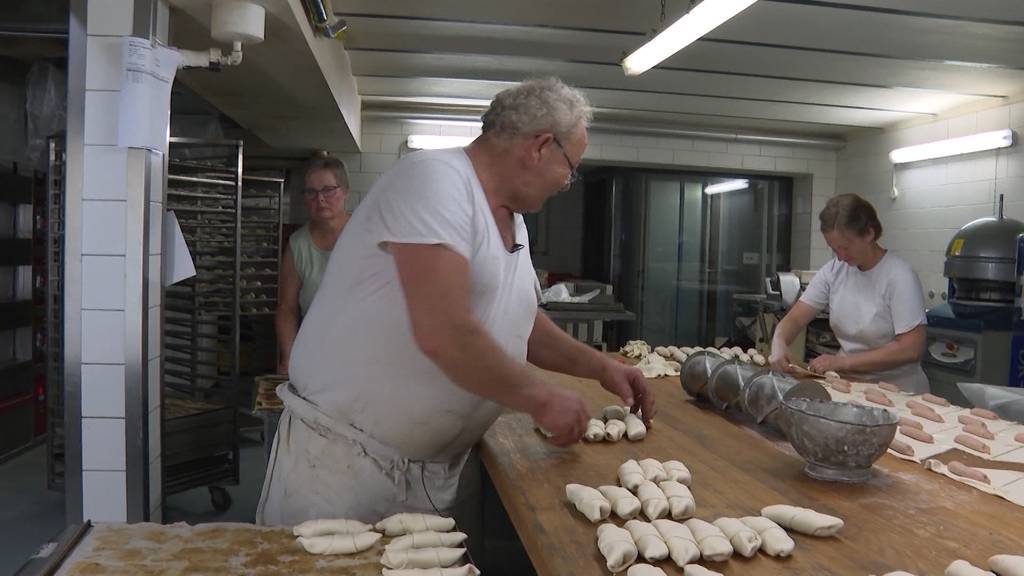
561,413
628,383
827,362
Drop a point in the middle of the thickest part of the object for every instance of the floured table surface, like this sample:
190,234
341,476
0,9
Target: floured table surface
207,549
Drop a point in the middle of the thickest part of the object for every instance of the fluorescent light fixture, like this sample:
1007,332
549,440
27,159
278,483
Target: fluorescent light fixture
953,146
704,18
433,142
727,186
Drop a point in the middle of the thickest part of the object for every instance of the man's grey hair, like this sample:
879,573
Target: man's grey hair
536,106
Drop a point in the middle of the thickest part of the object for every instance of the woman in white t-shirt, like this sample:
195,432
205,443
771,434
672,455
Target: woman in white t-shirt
874,300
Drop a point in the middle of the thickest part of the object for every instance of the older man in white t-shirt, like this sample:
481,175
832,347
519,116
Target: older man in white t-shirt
425,320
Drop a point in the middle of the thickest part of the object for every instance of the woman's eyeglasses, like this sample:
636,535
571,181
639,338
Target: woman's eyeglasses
327,192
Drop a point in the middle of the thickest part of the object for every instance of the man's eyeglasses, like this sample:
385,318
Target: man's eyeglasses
574,174
327,192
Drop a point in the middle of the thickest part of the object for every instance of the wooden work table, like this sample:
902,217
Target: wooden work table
904,518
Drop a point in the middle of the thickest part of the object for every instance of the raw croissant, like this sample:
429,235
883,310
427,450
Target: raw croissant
422,557
680,500
648,540
624,504
323,526
803,520
339,543
617,547
407,523
743,538
588,501
682,547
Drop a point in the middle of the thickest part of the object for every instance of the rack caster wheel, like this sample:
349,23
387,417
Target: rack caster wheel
220,498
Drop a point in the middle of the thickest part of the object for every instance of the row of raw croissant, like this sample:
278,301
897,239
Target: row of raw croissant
1001,565
423,544
615,421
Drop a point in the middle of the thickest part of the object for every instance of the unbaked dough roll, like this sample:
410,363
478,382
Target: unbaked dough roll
831,376
676,470
1007,565
661,351
644,570
803,520
687,350
595,430
324,526
774,540
682,546
649,542
624,504
407,523
653,470
617,547
898,573
631,476
759,359
422,557
652,500
614,412
429,539
698,570
588,501
672,350
467,570
339,543
714,546
614,430
680,500
635,428
743,538
965,568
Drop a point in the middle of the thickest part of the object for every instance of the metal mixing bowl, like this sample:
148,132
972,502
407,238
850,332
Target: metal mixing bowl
763,396
839,441
727,382
696,372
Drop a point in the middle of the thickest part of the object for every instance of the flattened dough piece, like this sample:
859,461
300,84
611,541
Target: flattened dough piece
406,523
698,570
614,430
644,570
617,547
340,543
652,500
635,428
803,520
1007,565
467,570
965,568
682,546
714,546
653,470
624,504
588,501
595,430
631,476
324,526
743,538
774,540
649,542
422,557
677,471
681,504
429,539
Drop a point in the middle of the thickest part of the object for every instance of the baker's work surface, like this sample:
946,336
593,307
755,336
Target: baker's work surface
904,518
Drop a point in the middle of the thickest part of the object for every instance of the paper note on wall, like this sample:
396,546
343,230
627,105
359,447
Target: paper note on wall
177,262
145,102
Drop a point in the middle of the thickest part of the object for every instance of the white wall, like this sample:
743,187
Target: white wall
814,170
935,197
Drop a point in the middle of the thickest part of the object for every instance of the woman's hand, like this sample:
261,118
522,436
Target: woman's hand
827,362
779,359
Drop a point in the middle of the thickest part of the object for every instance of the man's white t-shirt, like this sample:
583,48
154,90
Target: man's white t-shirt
355,357
868,308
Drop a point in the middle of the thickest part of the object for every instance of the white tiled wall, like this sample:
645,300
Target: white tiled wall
935,197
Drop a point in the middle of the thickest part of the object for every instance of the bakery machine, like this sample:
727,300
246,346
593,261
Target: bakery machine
977,335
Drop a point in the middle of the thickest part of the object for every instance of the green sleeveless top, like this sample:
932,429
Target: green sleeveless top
310,263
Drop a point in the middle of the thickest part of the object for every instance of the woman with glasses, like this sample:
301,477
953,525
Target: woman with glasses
309,248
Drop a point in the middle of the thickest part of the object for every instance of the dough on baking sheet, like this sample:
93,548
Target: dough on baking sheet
467,570
340,543
614,412
965,568
324,526
624,504
1007,565
595,430
774,540
429,539
677,471
635,428
590,502
649,542
698,570
714,546
617,547
407,523
653,470
682,546
422,557
1007,484
681,504
652,500
631,476
614,430
644,570
743,538
803,520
